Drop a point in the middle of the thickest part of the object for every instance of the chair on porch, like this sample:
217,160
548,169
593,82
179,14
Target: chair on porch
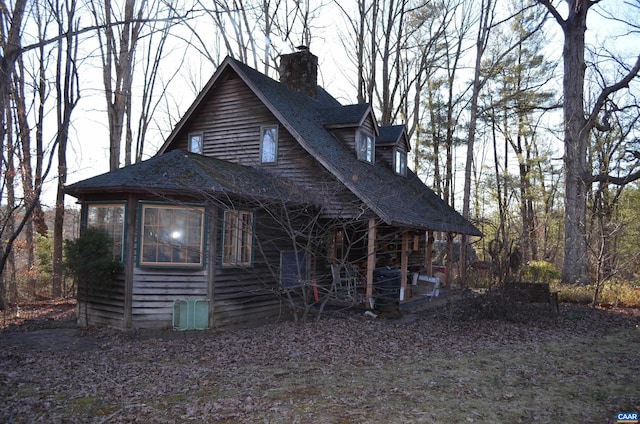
345,282
433,281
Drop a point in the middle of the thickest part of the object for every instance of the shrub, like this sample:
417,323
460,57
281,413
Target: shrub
541,271
89,259
617,293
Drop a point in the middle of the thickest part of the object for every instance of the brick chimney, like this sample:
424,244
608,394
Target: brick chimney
299,71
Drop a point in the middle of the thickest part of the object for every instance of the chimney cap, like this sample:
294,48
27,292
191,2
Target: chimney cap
302,48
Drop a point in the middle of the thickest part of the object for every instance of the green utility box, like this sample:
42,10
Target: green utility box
190,314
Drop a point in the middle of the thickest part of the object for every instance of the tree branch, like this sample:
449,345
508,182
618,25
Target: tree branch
554,12
607,91
610,179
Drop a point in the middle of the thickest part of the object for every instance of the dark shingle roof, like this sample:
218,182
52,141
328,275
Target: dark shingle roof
178,171
343,116
389,134
395,199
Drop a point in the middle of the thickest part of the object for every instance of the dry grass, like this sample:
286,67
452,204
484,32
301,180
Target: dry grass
580,366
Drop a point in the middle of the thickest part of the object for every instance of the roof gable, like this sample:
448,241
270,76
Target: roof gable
393,135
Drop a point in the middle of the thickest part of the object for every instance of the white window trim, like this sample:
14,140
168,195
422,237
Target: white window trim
263,131
201,145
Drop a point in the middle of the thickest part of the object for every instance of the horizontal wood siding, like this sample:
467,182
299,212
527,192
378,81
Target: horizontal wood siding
102,305
385,155
251,294
155,290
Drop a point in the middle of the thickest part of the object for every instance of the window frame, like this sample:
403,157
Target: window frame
264,130
107,204
192,136
200,238
243,254
365,147
400,162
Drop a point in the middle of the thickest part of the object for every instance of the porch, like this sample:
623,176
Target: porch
379,266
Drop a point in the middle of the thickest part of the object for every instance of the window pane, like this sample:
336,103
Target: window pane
110,219
365,147
269,144
170,232
238,238
195,143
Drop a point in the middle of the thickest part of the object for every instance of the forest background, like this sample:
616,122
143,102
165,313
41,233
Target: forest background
522,114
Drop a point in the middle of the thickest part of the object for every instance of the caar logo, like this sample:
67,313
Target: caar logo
627,417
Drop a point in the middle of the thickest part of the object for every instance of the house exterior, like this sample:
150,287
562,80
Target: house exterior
257,192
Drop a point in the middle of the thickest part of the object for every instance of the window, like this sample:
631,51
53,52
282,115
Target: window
195,143
110,219
237,249
365,147
400,163
268,144
172,236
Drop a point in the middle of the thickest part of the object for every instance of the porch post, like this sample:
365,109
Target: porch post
371,259
428,254
404,261
449,258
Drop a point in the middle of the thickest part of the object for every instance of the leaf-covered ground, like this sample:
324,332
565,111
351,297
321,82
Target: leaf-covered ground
581,366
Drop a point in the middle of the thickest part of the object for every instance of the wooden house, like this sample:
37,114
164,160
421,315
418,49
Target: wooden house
259,190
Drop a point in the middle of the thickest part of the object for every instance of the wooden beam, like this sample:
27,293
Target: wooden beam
129,255
449,259
428,254
404,262
212,264
371,259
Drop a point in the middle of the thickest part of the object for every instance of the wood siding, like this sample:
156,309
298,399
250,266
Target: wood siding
102,305
155,290
251,294
230,122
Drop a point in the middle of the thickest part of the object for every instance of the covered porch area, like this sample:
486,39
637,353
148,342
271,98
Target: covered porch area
382,267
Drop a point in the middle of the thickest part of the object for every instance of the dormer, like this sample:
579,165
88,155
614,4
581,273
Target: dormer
356,126
392,146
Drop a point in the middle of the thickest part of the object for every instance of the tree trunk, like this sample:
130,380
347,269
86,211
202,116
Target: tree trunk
576,139
68,96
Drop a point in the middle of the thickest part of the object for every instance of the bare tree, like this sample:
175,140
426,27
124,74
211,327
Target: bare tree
579,123
67,94
117,47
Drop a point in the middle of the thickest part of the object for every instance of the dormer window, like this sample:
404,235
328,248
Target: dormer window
400,163
195,143
268,144
365,147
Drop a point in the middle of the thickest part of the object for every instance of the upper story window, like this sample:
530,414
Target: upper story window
195,143
365,147
400,163
110,219
172,236
269,144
